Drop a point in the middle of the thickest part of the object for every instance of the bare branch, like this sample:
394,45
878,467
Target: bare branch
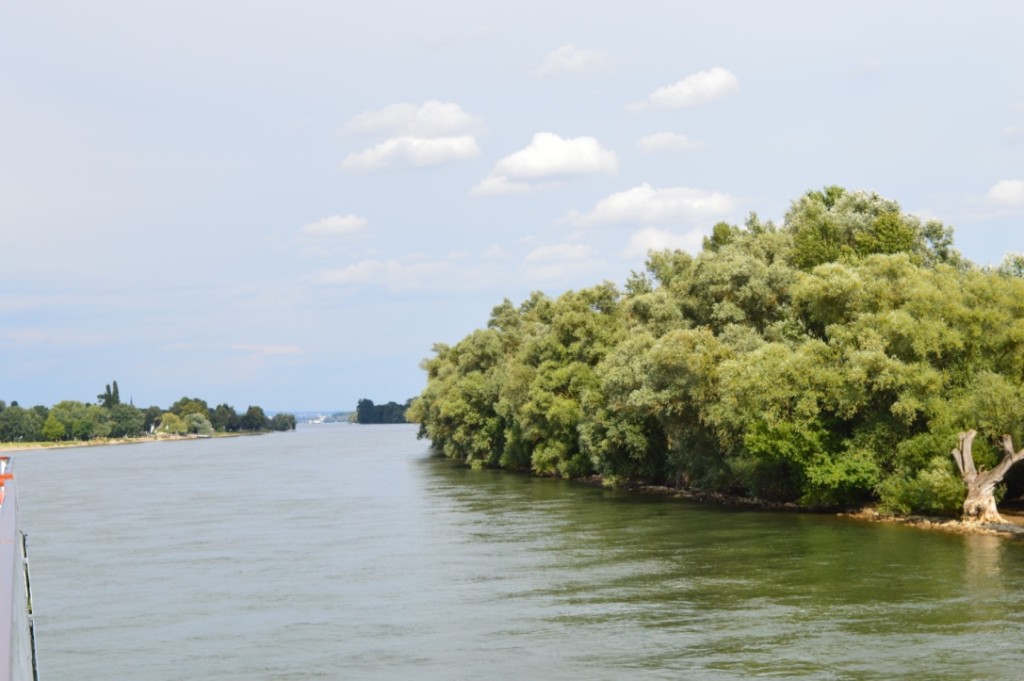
963,456
1008,448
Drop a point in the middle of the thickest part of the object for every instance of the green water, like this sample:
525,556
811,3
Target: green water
348,552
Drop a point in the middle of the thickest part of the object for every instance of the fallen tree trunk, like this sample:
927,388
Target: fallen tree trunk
980,504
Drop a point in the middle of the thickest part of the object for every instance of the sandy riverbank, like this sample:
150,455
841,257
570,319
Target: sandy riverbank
103,442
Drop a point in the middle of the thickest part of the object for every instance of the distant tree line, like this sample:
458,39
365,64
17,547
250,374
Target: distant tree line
111,418
392,412
831,360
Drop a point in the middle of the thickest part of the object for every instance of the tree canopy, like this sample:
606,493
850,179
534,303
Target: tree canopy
367,412
112,418
827,361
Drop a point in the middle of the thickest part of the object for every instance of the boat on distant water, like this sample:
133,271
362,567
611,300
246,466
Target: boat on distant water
17,634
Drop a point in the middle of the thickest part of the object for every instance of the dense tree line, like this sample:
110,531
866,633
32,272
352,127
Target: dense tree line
831,360
111,418
392,412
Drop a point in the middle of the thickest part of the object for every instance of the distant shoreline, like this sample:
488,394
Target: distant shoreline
103,442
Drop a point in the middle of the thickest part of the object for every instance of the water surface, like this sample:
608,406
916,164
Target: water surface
348,552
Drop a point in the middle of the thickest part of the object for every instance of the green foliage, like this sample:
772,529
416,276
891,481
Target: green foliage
837,225
933,489
282,422
224,419
198,424
189,405
254,419
126,421
110,397
172,424
392,412
829,361
17,425
111,418
53,429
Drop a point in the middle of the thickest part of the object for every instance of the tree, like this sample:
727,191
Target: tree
126,421
980,504
254,419
53,429
82,421
110,396
151,418
282,422
172,424
368,412
198,424
826,362
189,405
17,424
224,418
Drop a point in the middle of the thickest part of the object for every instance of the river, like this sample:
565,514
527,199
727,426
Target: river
348,552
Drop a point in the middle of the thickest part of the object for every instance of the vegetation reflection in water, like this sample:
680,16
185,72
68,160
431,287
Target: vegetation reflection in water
669,586
350,552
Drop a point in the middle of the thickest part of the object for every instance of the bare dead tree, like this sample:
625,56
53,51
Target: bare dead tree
980,504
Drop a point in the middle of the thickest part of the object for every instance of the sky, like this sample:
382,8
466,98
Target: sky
289,203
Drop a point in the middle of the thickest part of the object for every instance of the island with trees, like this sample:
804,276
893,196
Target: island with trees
832,361
367,412
110,418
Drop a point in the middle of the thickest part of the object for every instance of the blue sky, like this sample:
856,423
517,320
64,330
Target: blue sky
288,203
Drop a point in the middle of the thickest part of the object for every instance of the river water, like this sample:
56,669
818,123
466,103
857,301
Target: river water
348,552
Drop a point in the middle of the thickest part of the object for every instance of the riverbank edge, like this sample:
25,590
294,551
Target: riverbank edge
103,442
1009,530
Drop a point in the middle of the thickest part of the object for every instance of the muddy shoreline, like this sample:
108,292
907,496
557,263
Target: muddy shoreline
1013,528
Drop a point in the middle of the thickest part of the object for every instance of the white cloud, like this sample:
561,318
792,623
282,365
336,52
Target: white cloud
667,141
572,59
415,152
694,90
444,39
547,157
497,252
410,274
1007,193
493,185
646,205
391,274
432,118
1013,133
652,239
266,350
559,253
335,225
419,135
869,67
36,337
